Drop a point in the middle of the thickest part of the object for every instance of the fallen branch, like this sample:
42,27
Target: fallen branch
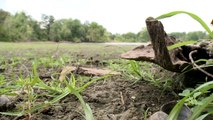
85,71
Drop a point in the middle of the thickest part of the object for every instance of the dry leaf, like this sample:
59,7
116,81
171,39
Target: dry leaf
66,70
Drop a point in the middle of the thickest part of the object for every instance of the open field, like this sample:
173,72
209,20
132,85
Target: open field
29,75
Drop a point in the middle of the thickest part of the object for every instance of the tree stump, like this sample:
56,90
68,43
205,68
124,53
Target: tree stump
178,60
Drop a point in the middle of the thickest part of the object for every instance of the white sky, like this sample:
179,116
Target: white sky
117,16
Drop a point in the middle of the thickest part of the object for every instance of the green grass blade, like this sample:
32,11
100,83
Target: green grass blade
73,80
170,14
39,107
13,113
198,109
173,115
204,87
202,117
179,44
86,107
42,85
82,88
87,110
59,97
54,100
195,17
35,73
136,68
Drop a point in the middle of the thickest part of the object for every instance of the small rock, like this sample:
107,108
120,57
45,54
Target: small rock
158,116
133,97
4,100
5,103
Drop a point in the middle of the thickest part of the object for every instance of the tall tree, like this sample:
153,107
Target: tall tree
66,29
56,31
77,30
130,36
179,35
96,33
3,16
143,35
196,35
19,27
47,21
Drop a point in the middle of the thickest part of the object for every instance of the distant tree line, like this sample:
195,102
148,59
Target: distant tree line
22,27
196,35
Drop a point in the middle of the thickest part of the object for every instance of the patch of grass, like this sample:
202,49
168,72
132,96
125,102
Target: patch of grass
31,49
136,71
55,90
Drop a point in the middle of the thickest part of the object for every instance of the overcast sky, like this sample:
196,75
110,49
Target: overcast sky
117,16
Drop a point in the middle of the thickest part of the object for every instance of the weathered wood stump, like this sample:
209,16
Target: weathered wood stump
176,60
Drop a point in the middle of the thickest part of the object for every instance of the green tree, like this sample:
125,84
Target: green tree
66,32
46,23
37,31
130,37
3,16
196,35
56,31
179,35
77,31
143,36
19,27
118,37
96,33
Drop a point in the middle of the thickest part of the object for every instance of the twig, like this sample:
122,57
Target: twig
122,98
198,67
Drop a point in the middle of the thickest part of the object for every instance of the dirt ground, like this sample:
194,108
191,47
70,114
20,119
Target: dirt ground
115,98
111,99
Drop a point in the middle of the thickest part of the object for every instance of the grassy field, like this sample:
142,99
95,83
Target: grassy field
30,80
49,48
